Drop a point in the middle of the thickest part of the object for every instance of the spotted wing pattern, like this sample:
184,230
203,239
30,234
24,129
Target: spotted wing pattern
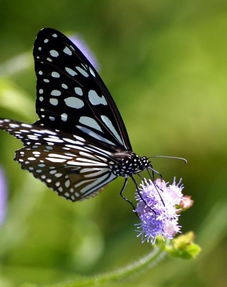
65,163
72,97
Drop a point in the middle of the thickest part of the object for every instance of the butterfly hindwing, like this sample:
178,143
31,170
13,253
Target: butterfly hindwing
71,182
63,162
71,96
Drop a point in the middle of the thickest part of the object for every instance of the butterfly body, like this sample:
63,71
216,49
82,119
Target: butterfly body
80,143
129,164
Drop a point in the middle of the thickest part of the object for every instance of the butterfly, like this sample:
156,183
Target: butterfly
80,142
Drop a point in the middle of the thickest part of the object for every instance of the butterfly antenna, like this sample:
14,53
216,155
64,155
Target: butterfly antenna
169,156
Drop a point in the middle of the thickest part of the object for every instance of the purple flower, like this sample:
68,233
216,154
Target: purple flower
3,196
83,47
158,209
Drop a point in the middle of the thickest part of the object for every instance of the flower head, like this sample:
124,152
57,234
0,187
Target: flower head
158,209
83,47
186,202
3,196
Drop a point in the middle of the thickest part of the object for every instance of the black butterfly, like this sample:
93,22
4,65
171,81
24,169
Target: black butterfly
80,142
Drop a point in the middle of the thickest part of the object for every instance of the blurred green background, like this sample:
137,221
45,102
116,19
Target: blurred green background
165,63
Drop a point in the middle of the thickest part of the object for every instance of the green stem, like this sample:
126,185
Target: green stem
142,264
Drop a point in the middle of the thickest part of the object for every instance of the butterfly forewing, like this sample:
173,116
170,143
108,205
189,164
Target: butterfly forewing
71,96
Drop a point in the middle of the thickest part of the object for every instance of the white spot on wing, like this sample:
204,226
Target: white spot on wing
52,139
95,184
109,124
64,86
26,125
98,150
82,71
86,154
58,174
74,102
79,159
14,125
78,91
87,121
32,137
67,51
72,141
92,72
54,53
64,117
71,162
56,155
79,138
53,171
95,99
55,93
94,135
43,132
55,75
80,183
55,159
94,174
67,183
92,169
54,101
70,71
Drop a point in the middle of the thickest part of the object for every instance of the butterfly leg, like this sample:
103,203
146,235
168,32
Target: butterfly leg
122,195
138,190
156,187
151,174
140,195
154,171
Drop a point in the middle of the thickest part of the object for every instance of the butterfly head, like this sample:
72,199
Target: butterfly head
129,164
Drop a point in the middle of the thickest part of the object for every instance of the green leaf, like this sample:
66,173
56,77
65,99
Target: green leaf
183,247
